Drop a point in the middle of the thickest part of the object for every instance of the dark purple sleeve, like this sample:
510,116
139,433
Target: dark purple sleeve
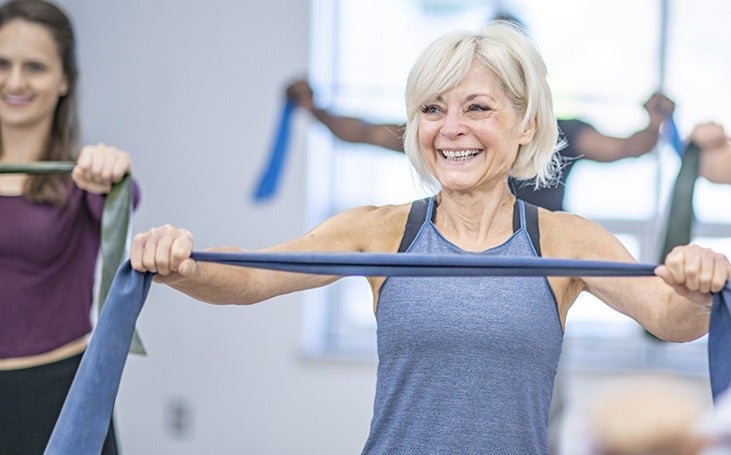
95,202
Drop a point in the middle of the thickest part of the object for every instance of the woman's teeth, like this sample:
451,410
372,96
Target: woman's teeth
459,155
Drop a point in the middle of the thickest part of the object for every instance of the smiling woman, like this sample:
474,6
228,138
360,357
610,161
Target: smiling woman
478,103
466,364
32,74
51,223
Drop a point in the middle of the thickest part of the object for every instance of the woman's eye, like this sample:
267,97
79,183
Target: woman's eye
478,108
429,109
36,67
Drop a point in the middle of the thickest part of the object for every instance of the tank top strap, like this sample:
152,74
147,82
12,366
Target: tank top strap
525,216
421,210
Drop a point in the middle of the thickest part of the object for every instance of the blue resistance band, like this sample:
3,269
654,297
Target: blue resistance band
394,264
84,420
269,180
672,135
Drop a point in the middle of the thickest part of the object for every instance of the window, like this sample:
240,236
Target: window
361,55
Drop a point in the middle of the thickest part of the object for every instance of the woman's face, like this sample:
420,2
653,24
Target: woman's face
31,74
470,135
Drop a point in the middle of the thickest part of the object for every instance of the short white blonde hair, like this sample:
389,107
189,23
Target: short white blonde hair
515,59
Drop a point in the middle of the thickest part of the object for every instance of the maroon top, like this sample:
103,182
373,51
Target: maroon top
47,263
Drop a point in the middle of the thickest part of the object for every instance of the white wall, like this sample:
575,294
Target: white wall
192,90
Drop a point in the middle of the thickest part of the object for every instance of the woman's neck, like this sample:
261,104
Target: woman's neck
476,221
24,144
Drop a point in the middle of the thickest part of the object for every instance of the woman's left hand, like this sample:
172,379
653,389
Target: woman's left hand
695,272
99,167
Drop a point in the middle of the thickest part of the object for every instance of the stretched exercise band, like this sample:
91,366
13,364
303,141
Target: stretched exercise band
37,167
85,416
390,264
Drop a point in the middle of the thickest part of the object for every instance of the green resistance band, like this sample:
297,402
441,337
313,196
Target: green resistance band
115,227
679,225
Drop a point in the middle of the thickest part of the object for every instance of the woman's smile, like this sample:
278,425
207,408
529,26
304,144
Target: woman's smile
459,154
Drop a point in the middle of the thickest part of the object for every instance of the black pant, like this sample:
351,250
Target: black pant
30,402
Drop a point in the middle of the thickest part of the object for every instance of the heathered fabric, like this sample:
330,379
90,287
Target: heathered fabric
466,365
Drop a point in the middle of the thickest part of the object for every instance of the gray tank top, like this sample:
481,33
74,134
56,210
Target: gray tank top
466,364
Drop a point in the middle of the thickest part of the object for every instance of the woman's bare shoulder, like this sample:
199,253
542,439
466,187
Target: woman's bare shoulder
567,235
367,228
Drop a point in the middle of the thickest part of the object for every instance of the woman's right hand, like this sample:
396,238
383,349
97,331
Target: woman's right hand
301,93
165,251
659,107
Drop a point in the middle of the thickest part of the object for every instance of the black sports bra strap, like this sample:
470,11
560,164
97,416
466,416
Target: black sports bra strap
516,215
417,215
531,223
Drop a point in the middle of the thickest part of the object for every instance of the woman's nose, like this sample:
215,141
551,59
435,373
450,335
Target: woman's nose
14,78
454,124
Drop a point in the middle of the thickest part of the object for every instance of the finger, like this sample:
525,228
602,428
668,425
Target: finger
675,261
692,268
108,157
78,175
81,171
98,161
84,159
165,237
721,273
111,160
147,257
163,259
135,251
180,251
706,271
120,166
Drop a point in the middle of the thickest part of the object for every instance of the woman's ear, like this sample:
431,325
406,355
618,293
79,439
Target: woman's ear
529,130
63,87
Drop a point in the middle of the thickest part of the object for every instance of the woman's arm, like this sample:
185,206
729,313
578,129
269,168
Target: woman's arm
349,129
595,146
166,251
674,305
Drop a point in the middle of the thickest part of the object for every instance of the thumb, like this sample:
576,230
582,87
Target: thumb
188,268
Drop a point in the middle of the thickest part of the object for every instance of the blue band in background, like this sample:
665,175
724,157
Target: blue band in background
269,180
672,135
